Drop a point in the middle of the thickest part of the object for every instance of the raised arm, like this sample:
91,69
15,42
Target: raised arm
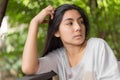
30,53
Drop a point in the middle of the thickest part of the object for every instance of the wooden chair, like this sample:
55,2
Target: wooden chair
44,76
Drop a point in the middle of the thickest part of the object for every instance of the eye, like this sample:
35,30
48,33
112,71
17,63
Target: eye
81,22
69,23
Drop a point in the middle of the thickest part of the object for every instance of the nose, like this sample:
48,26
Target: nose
77,27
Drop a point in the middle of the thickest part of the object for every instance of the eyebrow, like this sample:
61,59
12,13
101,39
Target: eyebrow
72,18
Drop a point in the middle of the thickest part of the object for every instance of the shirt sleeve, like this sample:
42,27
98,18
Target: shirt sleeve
47,63
107,63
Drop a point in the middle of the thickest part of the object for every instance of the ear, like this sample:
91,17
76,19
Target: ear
57,34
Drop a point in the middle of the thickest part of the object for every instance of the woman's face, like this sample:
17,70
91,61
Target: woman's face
71,29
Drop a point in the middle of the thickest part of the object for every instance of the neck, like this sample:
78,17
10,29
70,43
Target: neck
75,53
75,50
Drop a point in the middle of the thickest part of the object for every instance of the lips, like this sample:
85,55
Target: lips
78,36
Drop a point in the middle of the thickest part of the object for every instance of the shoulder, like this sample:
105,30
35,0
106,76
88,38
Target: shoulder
54,55
96,41
57,51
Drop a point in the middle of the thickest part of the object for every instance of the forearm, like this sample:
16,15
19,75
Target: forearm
30,53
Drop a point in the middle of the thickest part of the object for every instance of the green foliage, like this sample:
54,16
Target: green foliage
104,21
11,56
21,11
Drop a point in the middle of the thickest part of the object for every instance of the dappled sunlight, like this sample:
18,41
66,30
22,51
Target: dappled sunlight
4,27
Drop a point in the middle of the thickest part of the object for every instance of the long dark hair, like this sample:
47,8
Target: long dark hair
53,42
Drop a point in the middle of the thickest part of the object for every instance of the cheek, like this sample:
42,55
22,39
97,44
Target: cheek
65,33
83,30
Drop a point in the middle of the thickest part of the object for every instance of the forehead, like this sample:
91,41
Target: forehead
71,14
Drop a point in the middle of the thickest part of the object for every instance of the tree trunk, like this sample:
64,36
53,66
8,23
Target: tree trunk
3,6
93,5
94,11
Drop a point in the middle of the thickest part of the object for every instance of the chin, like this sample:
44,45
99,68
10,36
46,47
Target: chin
81,42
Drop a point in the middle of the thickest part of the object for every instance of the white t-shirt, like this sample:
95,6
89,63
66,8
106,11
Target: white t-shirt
97,63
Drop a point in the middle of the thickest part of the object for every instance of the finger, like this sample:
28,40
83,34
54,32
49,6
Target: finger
50,8
52,14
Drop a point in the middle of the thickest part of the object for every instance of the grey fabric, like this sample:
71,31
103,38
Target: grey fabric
119,65
98,63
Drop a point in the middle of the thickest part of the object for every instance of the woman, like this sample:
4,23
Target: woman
67,50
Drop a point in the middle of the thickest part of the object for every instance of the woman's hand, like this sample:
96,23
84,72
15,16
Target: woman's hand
40,17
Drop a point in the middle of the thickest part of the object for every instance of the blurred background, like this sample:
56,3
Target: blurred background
104,17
